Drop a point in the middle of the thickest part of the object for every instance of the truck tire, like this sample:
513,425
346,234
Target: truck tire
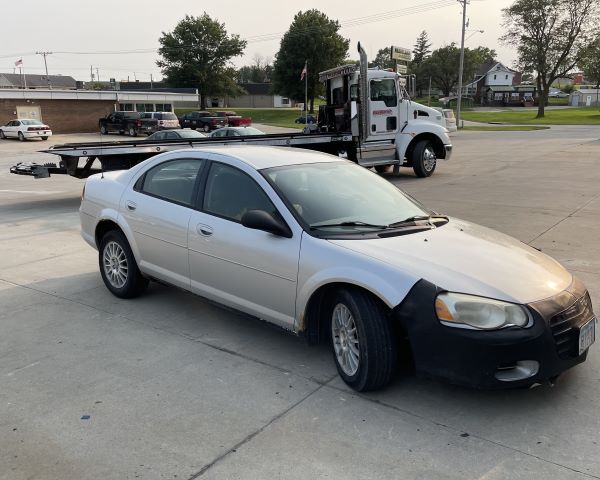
103,130
132,132
423,158
118,267
364,349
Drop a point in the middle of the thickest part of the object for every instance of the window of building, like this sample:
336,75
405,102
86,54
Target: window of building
126,107
506,77
494,77
285,101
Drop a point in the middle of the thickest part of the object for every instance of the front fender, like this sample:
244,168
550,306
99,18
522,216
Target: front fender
422,130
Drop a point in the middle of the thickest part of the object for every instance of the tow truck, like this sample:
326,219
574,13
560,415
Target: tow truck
368,118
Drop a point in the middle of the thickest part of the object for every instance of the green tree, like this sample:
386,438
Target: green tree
420,53
383,59
197,54
590,62
260,71
312,38
442,65
550,36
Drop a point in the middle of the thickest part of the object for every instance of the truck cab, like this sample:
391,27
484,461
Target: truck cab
389,128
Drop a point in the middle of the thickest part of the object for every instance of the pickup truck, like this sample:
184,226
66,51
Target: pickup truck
206,121
121,122
234,119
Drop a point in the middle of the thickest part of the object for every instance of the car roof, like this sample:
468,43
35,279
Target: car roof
259,157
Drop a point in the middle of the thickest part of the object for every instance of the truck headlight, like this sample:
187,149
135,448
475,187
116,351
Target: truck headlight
468,311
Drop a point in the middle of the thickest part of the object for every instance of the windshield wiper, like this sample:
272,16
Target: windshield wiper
349,224
416,218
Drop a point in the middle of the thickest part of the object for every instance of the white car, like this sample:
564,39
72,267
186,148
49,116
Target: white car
449,118
324,248
24,128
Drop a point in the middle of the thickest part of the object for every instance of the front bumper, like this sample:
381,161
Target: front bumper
448,149
510,357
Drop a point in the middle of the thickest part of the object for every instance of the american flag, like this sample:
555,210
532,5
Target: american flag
19,62
303,74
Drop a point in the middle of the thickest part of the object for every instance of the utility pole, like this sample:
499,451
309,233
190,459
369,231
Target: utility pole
462,60
45,54
97,75
91,74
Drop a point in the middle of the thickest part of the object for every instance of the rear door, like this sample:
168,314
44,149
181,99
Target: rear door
10,130
158,208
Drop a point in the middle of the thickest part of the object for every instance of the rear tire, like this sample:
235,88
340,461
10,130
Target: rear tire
424,160
103,130
21,137
364,349
118,267
132,132
44,138
2,136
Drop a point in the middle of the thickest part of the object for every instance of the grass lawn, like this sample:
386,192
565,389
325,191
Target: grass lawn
504,128
279,117
564,116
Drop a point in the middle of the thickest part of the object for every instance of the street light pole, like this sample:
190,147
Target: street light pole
462,61
45,54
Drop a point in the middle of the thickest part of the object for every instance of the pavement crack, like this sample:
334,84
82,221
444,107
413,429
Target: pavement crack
249,437
572,214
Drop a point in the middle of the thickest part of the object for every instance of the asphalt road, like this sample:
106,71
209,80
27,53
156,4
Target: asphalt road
169,386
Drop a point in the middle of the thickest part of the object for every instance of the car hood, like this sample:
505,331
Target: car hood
464,257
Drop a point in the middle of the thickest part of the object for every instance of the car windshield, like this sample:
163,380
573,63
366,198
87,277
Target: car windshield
31,122
342,197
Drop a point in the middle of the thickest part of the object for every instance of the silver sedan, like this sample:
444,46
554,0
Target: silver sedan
327,249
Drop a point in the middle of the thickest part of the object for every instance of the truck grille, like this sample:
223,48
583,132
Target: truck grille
565,326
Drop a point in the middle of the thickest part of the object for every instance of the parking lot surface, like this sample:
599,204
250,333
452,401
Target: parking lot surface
170,386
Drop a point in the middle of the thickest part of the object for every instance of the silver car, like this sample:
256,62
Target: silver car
327,249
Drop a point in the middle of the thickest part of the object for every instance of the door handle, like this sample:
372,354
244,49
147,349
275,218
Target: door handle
204,230
131,205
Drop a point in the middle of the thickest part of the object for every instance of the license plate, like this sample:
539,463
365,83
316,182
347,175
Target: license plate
587,335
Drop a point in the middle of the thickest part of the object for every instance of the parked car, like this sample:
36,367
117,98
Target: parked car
306,119
321,246
235,120
155,121
180,134
236,132
121,122
25,128
205,121
449,118
557,94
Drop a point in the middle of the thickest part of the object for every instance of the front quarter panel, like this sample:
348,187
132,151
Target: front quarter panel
322,263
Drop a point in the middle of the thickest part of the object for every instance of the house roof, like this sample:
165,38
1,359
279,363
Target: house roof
501,88
35,81
257,88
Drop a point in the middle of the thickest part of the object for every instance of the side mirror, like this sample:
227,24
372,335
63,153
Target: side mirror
261,220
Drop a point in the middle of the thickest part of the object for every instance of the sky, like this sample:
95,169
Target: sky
119,38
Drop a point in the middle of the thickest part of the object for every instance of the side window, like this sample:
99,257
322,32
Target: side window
384,91
159,136
230,193
173,180
16,123
220,133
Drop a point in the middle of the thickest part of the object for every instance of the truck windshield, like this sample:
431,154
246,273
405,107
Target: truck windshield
342,197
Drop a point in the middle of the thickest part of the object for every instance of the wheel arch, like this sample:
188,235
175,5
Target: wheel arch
438,145
108,223
310,325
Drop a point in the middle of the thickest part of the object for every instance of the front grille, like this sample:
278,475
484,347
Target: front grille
565,326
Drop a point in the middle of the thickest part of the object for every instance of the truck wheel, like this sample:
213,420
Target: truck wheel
423,158
206,128
364,349
103,130
132,132
118,268
21,137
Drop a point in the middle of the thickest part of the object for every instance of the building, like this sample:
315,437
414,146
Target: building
585,97
259,95
29,81
496,84
74,111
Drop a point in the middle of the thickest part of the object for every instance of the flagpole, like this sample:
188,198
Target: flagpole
306,93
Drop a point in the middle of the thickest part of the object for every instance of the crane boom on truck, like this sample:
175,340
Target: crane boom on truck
367,118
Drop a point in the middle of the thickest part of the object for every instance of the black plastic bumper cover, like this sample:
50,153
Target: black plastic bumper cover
473,357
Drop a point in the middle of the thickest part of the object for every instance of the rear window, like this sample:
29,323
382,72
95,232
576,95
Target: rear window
166,116
449,113
131,115
31,122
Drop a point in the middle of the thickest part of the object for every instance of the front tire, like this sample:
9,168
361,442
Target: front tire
21,137
118,267
424,160
364,349
103,130
132,132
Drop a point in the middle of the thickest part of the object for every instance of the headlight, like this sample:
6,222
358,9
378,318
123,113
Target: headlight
468,311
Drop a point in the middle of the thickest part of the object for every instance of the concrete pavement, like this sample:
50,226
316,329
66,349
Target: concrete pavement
170,386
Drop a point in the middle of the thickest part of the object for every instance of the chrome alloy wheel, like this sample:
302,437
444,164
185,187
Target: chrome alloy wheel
115,264
345,339
429,159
